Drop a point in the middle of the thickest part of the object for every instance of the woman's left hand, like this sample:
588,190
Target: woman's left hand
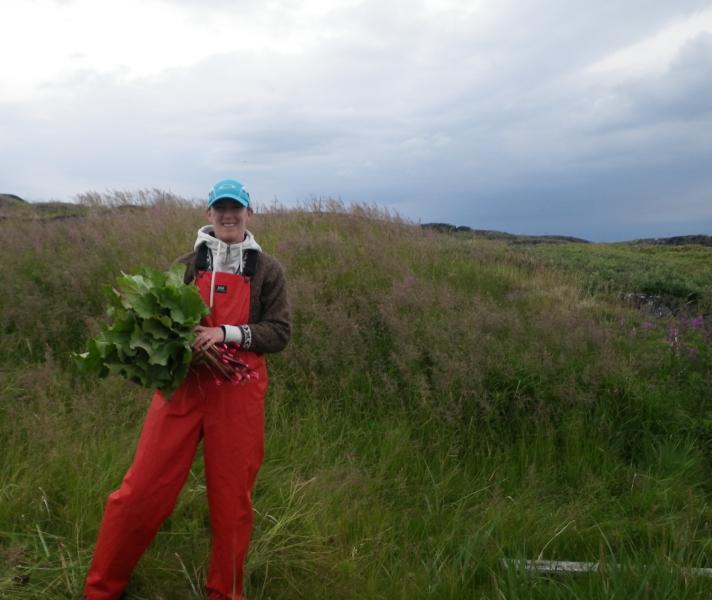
206,337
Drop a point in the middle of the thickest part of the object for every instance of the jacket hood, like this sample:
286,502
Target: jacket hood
225,257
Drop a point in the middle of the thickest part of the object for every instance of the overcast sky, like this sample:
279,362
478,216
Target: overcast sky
583,118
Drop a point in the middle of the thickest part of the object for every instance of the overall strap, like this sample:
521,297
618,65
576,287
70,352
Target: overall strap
250,263
202,258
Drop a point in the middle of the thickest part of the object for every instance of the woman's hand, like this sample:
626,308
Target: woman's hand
206,337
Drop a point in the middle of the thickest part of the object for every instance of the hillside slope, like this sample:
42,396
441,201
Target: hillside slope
444,404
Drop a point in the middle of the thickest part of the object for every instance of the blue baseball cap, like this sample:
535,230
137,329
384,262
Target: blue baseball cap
229,188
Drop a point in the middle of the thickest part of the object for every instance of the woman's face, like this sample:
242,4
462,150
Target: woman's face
229,218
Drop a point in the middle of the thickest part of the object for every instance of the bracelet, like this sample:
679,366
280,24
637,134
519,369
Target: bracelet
224,332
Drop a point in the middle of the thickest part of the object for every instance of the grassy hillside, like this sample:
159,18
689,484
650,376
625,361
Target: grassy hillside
445,403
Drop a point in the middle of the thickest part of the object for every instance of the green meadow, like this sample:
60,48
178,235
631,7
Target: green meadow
447,405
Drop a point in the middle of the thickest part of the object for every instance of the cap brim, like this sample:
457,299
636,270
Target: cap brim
237,199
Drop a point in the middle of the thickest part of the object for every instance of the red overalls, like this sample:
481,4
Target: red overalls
230,420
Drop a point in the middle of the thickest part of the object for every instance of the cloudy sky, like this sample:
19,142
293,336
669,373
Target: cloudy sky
583,118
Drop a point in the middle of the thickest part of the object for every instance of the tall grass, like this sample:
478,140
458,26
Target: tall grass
445,403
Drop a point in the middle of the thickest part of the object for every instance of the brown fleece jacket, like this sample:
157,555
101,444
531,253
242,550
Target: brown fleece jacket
270,316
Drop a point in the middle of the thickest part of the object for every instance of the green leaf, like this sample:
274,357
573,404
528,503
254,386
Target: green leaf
148,337
174,276
142,341
156,328
160,355
136,296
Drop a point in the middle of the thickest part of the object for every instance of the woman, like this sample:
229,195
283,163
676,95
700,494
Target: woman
246,292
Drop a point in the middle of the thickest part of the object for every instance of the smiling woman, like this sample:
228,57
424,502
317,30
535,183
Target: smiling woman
229,211
249,316
229,221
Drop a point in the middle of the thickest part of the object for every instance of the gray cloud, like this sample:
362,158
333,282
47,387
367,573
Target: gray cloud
486,120
685,90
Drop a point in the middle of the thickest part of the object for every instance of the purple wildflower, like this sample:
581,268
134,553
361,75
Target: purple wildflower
697,322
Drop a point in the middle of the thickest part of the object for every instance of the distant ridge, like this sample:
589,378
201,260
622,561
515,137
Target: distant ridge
10,200
504,236
14,207
678,240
